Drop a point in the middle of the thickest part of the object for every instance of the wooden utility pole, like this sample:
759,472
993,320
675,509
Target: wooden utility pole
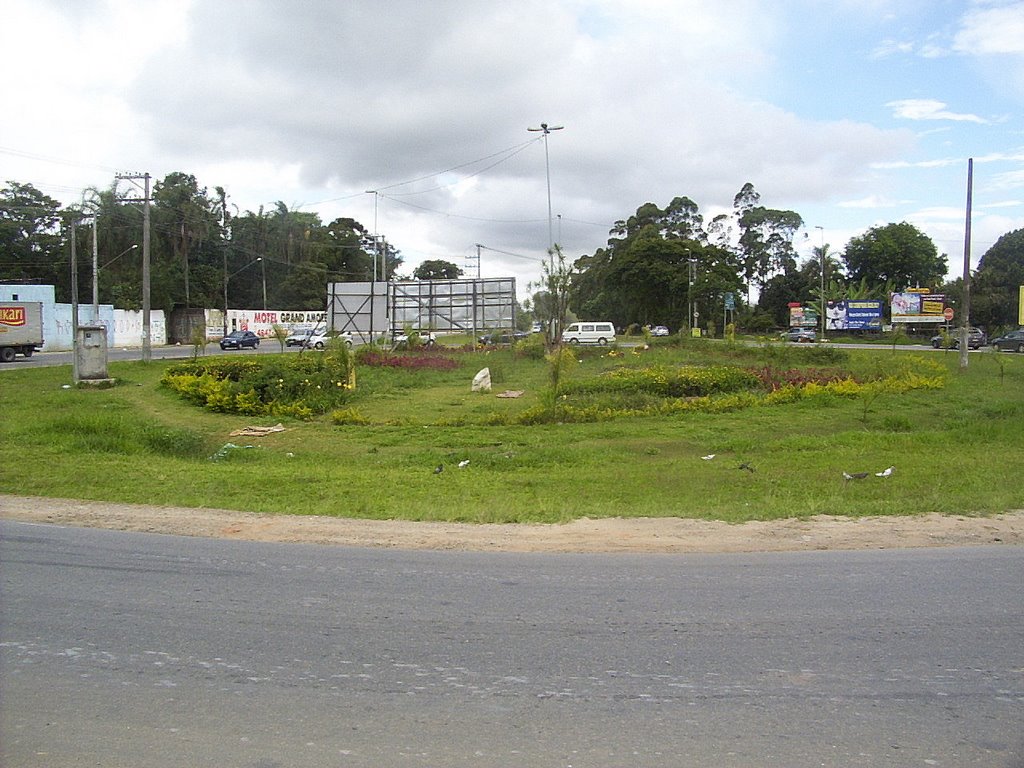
147,343
965,317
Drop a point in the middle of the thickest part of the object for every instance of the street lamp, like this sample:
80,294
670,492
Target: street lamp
546,129
228,277
96,282
822,297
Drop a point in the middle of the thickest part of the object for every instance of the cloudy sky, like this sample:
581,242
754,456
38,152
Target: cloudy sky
853,113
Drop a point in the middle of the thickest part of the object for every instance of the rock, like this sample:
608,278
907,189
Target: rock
482,381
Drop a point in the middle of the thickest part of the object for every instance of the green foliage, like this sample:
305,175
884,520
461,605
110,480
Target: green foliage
299,386
898,253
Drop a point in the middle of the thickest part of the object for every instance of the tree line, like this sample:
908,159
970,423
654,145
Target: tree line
669,266
666,266
277,257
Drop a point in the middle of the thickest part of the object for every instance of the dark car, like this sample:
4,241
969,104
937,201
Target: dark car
976,339
800,335
1010,342
240,340
502,338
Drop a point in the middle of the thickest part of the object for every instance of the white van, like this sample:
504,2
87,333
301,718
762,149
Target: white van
589,333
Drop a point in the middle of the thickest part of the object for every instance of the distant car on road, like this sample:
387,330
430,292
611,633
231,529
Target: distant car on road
976,339
659,330
297,339
240,340
424,338
321,340
1010,342
799,335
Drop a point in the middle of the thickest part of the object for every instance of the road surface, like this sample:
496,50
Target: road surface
129,649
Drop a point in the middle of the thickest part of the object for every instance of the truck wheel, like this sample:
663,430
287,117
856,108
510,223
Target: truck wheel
7,354
27,351
602,342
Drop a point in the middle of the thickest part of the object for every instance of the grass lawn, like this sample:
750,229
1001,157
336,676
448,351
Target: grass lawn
955,449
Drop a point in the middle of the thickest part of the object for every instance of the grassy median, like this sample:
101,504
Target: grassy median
394,450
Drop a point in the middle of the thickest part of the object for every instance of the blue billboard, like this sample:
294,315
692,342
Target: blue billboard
854,315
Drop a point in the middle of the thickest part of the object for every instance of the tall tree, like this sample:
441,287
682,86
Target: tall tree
995,288
765,235
897,253
31,245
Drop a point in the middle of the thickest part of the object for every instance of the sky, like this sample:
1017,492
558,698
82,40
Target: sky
413,117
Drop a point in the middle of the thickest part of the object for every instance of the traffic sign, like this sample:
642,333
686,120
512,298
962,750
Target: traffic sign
948,313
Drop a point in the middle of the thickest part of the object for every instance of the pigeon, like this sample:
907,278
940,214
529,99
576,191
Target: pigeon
855,475
885,472
745,466
709,457
464,463
439,469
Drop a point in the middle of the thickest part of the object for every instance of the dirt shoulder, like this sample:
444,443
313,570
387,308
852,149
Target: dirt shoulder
660,535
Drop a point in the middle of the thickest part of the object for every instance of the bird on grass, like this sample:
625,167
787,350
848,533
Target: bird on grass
855,475
709,457
885,472
745,466
464,463
439,469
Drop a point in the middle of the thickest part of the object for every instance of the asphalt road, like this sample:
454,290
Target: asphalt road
125,649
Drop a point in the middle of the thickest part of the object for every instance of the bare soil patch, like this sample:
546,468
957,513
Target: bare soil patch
657,535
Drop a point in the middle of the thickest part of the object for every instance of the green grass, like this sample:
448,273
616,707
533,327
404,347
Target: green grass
955,449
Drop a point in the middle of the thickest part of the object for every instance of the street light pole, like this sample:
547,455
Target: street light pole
822,297
546,130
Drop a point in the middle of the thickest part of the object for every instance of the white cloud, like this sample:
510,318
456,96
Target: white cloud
992,31
928,109
872,201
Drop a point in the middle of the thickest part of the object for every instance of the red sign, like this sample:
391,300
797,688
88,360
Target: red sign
948,313
14,316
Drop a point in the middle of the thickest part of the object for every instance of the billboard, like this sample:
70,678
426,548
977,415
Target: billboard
917,307
854,315
802,317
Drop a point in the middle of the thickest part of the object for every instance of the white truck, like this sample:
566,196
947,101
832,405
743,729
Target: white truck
21,328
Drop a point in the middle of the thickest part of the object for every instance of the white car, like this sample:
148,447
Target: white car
321,340
659,330
298,338
425,338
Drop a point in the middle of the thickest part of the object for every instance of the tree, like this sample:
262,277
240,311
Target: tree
897,253
995,288
31,245
437,269
765,236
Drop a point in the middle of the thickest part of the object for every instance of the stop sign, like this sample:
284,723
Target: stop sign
948,313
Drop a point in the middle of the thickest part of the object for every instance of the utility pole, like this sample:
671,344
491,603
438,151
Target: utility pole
74,302
224,223
965,318
147,348
95,276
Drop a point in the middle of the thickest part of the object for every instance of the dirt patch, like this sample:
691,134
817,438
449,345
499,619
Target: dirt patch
666,535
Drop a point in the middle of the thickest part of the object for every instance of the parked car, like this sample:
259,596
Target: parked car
240,340
659,330
799,335
976,339
1010,342
503,337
